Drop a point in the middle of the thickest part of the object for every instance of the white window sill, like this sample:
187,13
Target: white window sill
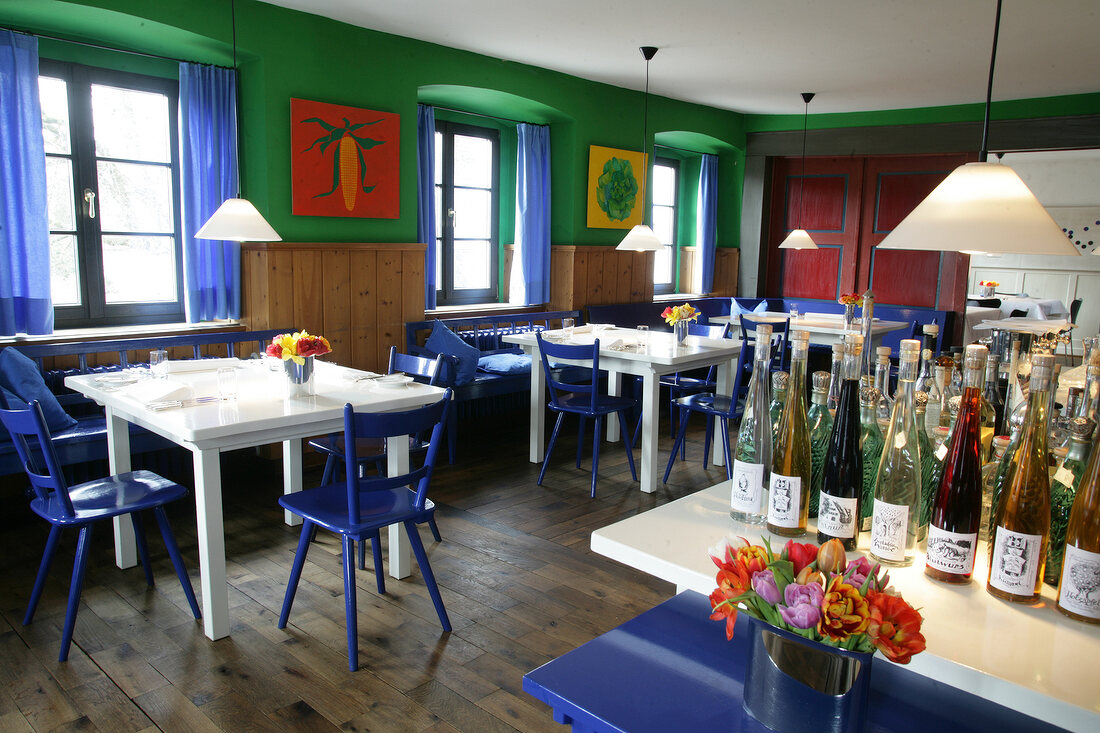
107,332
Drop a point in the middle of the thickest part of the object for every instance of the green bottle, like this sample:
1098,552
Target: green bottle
928,485
821,425
1063,490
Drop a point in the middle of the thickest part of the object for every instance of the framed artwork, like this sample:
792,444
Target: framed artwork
614,188
344,161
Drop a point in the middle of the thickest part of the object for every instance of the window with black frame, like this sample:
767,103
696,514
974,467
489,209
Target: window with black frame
467,165
113,191
666,175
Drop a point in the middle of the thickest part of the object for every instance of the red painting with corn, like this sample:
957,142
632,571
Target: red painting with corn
344,160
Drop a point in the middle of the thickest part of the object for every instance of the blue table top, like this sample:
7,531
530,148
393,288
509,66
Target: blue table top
671,669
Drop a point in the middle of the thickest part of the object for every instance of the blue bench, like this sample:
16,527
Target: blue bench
86,442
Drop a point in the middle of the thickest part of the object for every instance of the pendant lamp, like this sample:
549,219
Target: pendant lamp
981,207
237,220
641,237
800,238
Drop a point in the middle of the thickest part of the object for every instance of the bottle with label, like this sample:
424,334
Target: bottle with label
937,403
882,382
870,442
1063,488
779,398
834,376
991,394
752,461
1090,398
789,490
842,482
1077,596
821,426
930,336
989,477
1021,527
895,515
957,512
927,466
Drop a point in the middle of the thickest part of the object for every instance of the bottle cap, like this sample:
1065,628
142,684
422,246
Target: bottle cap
868,396
838,348
821,381
779,380
920,399
853,343
941,431
1042,368
800,339
1081,428
976,355
931,329
883,351
909,348
953,404
763,329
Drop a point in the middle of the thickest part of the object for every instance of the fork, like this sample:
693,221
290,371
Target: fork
189,402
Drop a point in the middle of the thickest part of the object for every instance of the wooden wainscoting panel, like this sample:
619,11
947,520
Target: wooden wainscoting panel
596,292
726,263
310,283
641,282
582,276
688,261
364,305
280,288
336,314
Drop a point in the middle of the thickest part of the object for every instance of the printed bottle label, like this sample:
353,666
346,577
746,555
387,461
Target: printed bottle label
1014,565
889,527
748,487
1064,476
785,493
951,552
837,516
1078,591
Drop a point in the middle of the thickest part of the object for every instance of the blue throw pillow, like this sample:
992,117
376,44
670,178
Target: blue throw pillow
737,309
505,364
20,375
11,401
444,341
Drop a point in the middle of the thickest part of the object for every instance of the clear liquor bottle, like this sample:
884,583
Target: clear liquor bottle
1063,489
989,477
789,490
882,382
936,401
957,512
752,460
870,442
842,482
1077,596
779,398
950,390
833,400
821,426
927,466
1021,528
1090,399
991,394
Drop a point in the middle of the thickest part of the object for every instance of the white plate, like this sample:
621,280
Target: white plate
393,381
119,378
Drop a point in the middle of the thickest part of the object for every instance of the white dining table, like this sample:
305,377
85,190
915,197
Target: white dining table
825,329
259,415
660,357
1037,308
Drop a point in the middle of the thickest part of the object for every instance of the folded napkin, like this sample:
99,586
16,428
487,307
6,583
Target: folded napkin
179,366
583,329
736,309
157,390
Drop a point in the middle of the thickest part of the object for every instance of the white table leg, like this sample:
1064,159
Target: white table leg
724,386
118,456
647,468
211,536
292,475
614,388
400,552
538,407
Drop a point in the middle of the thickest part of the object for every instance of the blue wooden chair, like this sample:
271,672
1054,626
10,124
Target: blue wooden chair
82,505
583,400
680,384
780,354
358,507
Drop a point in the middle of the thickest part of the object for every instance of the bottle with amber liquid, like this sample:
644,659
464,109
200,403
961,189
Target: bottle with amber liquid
821,427
1077,596
957,513
789,492
779,398
842,476
1021,527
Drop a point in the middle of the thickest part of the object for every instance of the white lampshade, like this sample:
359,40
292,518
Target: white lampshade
237,220
798,239
981,207
641,239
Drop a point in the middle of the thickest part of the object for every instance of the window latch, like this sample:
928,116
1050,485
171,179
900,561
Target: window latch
89,199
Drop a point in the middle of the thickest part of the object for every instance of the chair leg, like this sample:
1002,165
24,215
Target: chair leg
429,576
296,571
376,550
726,444
177,559
550,448
80,564
362,555
629,452
595,452
435,529
580,439
452,432
142,547
683,444
43,571
708,436
637,433
351,618
678,445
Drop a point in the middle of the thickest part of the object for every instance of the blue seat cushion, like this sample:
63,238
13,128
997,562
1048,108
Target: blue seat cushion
505,364
20,375
444,341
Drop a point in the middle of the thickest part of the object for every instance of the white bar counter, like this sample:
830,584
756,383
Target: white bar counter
1027,658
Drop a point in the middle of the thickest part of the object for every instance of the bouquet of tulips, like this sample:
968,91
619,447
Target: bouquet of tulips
817,593
989,283
297,346
850,299
676,313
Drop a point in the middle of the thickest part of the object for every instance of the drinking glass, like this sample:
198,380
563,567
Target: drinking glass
794,311
158,363
567,327
643,337
227,383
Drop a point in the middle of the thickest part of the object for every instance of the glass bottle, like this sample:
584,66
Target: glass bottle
951,391
789,490
834,373
989,477
842,483
1021,528
1077,596
870,442
937,401
930,335
821,426
927,466
895,516
866,367
752,460
1090,398
992,393
957,512
882,382
1015,424
1061,419
779,397
1063,488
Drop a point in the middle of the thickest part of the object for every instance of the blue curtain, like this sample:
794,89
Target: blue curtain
208,143
533,214
707,233
25,305
425,196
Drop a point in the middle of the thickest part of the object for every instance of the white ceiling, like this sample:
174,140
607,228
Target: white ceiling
756,56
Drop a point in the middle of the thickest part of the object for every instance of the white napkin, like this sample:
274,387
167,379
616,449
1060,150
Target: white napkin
180,366
157,390
583,329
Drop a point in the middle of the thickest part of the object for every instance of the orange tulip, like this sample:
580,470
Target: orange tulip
844,610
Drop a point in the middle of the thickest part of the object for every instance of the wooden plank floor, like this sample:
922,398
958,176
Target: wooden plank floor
515,571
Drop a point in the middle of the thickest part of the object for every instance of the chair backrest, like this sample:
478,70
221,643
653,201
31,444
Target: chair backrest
38,455
430,370
1074,308
558,388
716,331
779,339
388,425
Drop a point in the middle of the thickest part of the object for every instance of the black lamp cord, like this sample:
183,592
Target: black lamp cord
983,154
645,137
237,92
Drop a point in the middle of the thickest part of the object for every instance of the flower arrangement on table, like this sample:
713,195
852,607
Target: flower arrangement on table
989,284
850,299
297,346
816,593
674,314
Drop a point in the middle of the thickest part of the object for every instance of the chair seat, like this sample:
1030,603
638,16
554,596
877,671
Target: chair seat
581,404
110,497
327,506
708,403
687,383
366,449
